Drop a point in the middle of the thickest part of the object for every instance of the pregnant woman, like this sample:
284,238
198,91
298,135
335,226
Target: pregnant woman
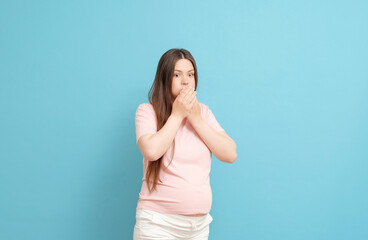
177,136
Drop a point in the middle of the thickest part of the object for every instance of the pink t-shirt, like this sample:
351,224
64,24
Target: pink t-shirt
185,187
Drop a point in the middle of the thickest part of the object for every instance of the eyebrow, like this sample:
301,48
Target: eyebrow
181,71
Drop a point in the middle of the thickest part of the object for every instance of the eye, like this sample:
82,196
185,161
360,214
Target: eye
191,74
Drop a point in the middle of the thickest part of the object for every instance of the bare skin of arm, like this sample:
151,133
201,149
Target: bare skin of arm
220,144
153,146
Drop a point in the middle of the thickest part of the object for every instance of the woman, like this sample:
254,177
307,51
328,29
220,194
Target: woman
176,135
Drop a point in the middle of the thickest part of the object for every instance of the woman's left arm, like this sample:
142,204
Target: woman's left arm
220,144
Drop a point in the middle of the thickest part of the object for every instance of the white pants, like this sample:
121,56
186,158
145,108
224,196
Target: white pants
155,225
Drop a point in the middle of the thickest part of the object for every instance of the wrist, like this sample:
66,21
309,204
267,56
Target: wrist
198,120
176,117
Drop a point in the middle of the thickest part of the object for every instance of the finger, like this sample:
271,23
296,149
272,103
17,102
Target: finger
192,96
188,88
192,102
189,93
183,92
184,89
185,95
189,98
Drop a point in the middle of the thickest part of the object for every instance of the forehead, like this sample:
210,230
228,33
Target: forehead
183,65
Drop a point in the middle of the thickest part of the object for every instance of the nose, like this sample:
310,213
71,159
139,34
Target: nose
184,80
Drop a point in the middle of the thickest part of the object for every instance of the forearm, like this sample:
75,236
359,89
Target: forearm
223,147
162,139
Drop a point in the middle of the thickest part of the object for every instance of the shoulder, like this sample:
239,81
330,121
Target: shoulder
145,107
203,106
206,111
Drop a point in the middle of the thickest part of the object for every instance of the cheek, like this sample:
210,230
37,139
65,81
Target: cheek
175,89
193,82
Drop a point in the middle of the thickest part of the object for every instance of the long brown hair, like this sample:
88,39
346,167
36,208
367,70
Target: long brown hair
161,98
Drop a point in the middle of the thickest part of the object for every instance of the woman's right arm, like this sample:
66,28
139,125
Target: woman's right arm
153,146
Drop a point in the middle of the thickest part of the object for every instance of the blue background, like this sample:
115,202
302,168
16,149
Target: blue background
287,80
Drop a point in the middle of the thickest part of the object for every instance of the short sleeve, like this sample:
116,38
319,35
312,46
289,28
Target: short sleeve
145,120
211,120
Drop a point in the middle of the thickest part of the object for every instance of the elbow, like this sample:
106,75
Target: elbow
147,149
232,158
148,154
228,158
233,155
153,155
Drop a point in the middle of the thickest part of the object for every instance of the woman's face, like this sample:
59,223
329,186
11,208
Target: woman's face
183,76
